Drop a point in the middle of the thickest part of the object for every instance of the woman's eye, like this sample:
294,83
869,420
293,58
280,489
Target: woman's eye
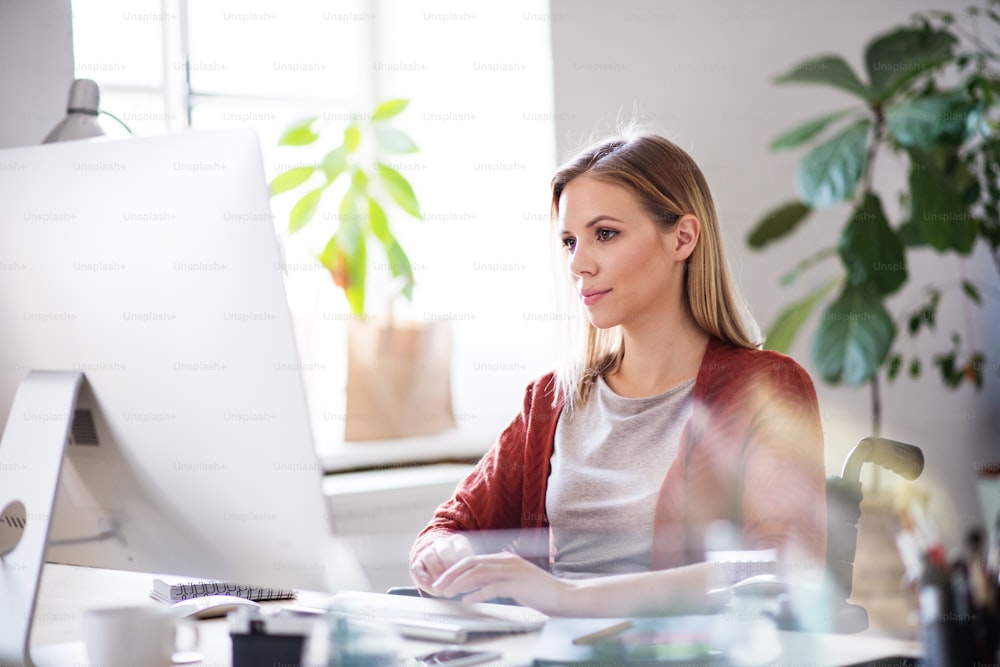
569,243
606,234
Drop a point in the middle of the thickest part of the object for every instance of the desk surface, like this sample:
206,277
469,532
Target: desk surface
67,591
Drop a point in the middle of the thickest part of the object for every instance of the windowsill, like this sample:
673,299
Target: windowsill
458,445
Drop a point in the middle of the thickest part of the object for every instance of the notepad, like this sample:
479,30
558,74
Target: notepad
177,590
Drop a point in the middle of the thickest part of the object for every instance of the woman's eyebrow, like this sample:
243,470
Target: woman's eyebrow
593,222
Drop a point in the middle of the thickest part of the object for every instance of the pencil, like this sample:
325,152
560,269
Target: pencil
604,633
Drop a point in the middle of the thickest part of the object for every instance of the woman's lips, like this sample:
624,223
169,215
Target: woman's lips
592,296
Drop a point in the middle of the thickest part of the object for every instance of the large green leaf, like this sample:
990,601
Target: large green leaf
394,141
399,189
343,270
334,163
352,136
830,172
378,221
299,133
777,223
350,226
804,132
854,337
357,268
936,206
291,179
304,210
335,261
871,251
390,108
925,122
910,235
399,262
350,239
359,181
831,70
784,330
895,58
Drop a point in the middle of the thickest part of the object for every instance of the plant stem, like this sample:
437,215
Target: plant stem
877,133
876,407
876,425
867,175
808,262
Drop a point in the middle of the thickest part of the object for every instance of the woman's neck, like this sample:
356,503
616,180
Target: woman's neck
658,358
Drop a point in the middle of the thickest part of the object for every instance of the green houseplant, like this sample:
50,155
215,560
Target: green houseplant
359,162
931,97
398,373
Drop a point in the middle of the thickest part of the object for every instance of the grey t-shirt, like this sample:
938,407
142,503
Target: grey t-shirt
610,459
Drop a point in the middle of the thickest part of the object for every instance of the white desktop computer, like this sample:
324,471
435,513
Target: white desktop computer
148,365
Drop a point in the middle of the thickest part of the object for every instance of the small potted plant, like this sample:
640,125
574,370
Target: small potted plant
398,376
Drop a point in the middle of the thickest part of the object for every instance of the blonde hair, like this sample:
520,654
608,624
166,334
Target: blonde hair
669,184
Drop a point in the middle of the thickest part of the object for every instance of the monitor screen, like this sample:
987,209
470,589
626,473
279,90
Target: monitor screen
151,265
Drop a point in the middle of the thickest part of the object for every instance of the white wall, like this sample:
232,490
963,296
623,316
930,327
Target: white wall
36,68
701,72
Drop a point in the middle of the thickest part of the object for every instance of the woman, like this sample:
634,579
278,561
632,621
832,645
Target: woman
669,420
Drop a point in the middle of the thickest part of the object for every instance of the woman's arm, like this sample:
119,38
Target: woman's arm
488,508
660,592
784,483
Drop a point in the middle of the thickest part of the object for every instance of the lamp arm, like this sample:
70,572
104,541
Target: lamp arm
905,460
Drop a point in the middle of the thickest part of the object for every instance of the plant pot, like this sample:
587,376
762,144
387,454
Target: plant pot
398,380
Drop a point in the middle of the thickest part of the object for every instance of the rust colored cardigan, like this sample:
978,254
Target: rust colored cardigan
751,453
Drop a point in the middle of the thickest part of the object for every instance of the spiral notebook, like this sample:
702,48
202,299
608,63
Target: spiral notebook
171,591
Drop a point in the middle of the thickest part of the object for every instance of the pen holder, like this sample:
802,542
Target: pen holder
261,640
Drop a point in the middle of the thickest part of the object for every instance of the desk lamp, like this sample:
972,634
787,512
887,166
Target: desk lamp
81,114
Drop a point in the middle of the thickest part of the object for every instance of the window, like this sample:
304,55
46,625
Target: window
479,80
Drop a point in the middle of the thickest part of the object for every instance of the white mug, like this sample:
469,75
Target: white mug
130,636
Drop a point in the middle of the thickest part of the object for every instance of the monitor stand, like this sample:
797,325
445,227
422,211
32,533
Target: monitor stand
31,456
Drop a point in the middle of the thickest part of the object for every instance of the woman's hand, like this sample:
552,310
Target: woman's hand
490,576
432,562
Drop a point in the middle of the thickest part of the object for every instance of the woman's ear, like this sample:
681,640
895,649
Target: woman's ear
687,230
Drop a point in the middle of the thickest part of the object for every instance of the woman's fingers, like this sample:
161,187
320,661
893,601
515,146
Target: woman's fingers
421,577
451,549
436,559
475,572
480,578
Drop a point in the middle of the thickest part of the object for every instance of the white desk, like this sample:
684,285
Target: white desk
66,591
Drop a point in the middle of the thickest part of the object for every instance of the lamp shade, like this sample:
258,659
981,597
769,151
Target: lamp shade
81,114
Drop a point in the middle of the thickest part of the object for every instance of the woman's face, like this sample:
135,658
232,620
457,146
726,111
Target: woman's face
624,267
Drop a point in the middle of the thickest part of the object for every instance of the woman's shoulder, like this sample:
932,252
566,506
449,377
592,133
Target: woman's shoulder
725,364
541,398
543,390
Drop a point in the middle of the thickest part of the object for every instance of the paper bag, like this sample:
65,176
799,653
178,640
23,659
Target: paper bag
398,380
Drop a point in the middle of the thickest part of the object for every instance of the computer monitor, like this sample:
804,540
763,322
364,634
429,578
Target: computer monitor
151,267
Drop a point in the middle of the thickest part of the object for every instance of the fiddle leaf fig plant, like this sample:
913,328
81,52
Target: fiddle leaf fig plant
369,189
929,93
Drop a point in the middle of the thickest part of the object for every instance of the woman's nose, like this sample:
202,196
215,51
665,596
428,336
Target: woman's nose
581,262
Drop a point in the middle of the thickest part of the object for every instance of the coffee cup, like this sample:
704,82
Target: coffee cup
137,635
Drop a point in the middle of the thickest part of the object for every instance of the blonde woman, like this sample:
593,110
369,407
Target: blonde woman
665,420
